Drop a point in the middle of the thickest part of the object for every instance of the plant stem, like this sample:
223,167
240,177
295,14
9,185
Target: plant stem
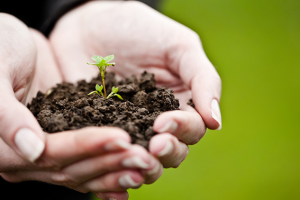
103,81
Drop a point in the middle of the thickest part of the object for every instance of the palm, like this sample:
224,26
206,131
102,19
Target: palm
135,44
40,78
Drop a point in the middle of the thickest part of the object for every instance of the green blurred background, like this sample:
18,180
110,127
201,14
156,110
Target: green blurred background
255,47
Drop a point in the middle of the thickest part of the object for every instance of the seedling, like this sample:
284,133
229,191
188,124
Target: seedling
114,91
98,90
102,64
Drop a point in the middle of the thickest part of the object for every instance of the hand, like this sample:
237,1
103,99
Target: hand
143,39
100,160
22,75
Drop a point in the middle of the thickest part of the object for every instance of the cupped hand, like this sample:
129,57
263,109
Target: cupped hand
26,66
100,160
143,39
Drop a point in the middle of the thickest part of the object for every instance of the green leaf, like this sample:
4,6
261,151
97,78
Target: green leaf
97,87
109,58
92,63
101,87
119,96
115,89
92,93
97,59
100,90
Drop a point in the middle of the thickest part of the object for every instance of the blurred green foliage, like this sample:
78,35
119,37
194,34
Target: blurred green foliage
255,47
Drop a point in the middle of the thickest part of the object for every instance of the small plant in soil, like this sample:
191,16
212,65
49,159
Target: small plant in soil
68,107
102,63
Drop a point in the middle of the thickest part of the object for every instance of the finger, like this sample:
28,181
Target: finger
112,195
187,126
79,172
18,127
136,157
168,149
81,144
154,172
206,89
115,181
191,64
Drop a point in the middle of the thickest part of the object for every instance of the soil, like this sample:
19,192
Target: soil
68,107
191,103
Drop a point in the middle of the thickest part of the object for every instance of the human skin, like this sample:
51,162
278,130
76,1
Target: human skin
143,39
99,160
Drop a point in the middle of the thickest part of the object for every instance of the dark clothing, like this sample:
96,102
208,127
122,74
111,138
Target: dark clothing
43,14
32,190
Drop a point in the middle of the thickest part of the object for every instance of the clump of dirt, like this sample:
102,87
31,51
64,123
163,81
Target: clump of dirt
68,107
191,103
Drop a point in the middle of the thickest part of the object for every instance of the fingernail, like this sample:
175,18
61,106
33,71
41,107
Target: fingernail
127,182
169,127
29,144
117,145
216,113
167,150
135,162
112,199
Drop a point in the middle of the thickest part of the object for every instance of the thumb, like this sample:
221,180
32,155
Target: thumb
18,127
202,78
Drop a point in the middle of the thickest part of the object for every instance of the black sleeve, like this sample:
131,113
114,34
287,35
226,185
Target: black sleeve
43,14
54,9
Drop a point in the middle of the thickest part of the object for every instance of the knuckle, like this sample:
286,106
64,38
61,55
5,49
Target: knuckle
62,178
48,164
194,140
178,159
192,38
193,34
217,79
176,165
196,137
192,132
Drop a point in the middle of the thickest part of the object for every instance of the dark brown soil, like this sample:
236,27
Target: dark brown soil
68,107
191,103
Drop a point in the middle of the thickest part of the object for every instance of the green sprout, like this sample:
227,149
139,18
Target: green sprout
102,64
98,90
114,91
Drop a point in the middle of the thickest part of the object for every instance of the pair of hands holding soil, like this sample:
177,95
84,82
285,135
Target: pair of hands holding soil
102,160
